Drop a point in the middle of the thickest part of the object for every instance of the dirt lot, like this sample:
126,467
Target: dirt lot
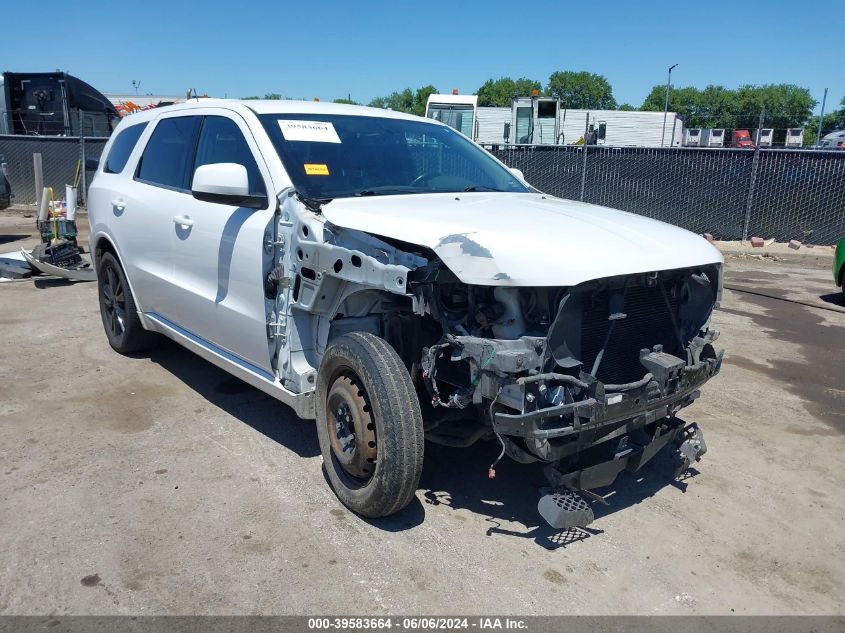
158,484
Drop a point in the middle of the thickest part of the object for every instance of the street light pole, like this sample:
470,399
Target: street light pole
666,104
821,120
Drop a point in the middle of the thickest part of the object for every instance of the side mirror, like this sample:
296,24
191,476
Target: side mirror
507,132
91,164
518,173
225,183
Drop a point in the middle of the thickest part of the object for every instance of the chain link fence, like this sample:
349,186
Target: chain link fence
730,193
61,156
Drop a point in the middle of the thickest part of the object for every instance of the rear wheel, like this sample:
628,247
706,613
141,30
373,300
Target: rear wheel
369,425
117,309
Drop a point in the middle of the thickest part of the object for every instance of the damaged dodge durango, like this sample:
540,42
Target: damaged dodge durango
385,276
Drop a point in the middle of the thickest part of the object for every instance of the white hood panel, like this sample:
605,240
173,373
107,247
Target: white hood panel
525,239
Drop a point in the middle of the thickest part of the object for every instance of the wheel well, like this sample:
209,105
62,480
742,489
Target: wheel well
104,246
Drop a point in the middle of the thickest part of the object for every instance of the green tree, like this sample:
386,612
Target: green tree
421,98
684,101
378,102
402,101
407,100
785,105
581,90
273,96
347,101
627,107
500,92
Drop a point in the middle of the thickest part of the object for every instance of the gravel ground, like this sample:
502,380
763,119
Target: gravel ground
157,484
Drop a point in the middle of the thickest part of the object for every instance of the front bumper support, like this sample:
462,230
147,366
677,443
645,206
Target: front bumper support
637,407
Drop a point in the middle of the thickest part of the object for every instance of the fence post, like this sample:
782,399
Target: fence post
754,167
82,193
584,164
38,174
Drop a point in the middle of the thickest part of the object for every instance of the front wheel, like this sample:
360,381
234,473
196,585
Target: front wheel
369,425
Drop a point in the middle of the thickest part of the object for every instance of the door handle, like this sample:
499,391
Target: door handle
183,220
120,205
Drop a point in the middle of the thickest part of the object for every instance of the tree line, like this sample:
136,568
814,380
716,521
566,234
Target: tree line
785,105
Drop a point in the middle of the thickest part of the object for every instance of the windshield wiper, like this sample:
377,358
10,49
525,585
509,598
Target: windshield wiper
315,204
379,191
482,188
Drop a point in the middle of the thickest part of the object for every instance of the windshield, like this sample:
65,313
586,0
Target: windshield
338,156
457,117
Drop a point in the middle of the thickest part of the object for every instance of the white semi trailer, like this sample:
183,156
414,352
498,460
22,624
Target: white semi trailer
544,121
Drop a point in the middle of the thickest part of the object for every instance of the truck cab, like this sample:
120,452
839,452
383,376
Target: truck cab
455,110
535,120
742,139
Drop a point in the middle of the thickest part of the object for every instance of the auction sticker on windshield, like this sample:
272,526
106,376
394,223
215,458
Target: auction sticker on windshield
312,131
315,169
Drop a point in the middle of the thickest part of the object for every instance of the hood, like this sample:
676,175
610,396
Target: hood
524,239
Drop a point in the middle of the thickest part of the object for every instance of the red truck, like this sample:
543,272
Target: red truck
742,139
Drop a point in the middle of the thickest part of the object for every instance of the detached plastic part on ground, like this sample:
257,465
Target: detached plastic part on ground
81,271
23,264
13,266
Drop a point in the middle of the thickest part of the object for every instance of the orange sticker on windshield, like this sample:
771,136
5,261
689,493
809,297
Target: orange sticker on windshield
316,169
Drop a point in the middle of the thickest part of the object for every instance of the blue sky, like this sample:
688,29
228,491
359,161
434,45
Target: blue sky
331,48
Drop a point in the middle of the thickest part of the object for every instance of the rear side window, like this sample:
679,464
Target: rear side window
122,148
221,141
168,156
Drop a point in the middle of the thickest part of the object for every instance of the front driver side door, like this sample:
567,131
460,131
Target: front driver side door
219,259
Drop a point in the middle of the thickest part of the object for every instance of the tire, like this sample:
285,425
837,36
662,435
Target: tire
117,308
369,425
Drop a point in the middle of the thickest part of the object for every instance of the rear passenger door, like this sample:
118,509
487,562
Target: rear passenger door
145,210
130,196
219,259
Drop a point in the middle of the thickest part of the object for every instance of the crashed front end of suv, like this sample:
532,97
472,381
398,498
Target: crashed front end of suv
591,380
586,374
562,332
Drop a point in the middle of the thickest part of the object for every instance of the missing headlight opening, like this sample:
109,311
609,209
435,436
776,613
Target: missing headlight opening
588,379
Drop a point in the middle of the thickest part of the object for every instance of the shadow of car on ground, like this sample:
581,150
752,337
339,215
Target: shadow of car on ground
456,478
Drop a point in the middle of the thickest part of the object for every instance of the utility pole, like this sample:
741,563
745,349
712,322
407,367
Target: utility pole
666,104
821,120
136,85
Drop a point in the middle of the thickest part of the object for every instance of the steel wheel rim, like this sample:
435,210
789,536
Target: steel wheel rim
351,427
114,302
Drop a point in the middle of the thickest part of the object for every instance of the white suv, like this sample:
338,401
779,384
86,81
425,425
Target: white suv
355,263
